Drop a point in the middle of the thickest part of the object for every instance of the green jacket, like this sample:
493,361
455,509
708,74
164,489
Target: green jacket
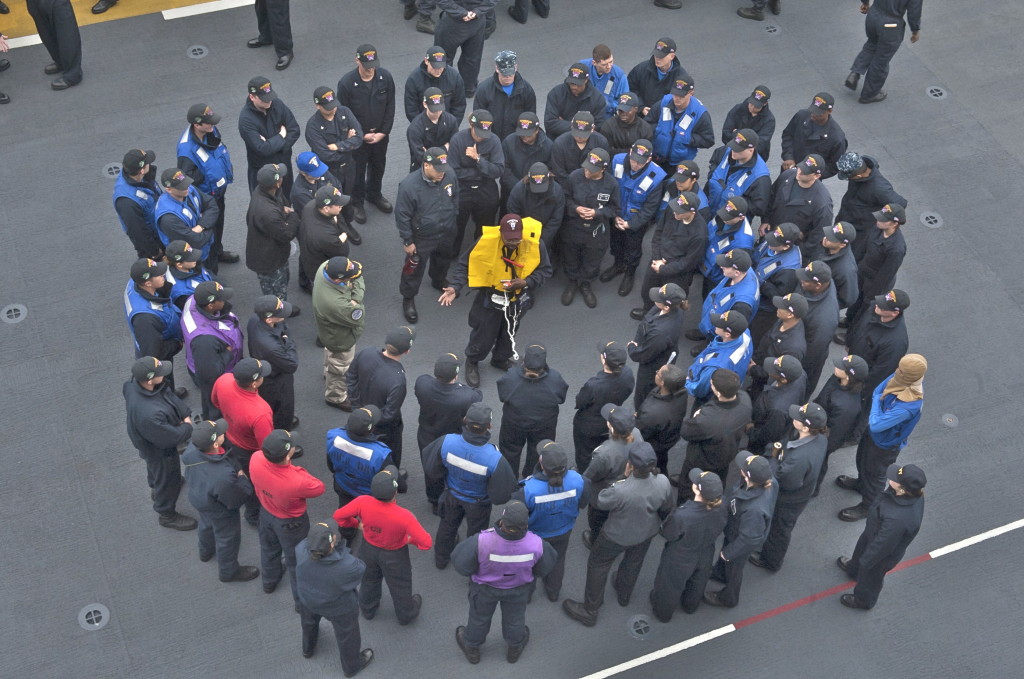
338,310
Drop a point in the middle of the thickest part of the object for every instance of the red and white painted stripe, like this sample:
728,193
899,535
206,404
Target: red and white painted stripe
785,608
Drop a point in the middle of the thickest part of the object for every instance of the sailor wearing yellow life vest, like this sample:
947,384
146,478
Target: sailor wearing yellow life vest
506,266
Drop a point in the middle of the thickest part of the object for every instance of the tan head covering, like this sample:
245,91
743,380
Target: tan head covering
906,383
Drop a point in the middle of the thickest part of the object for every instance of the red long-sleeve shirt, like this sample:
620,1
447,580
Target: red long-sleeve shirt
282,489
385,524
249,417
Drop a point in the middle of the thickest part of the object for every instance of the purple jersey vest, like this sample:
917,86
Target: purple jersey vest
226,330
505,564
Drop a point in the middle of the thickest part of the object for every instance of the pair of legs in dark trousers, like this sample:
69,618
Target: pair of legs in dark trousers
275,25
452,510
585,440
280,536
58,29
163,474
731,573
252,505
520,11
627,247
345,172
468,36
433,252
286,187
678,584
221,534
433,487
279,393
489,328
595,519
511,440
602,555
212,262
393,566
483,600
869,580
773,551
390,434
477,201
582,251
885,35
370,161
872,463
553,580
645,373
346,633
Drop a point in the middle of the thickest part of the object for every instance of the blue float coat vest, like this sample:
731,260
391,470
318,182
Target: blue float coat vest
215,165
634,191
145,198
673,131
553,511
135,303
733,355
226,329
612,84
735,183
895,436
720,241
767,263
504,564
670,193
188,211
469,467
355,462
183,285
722,298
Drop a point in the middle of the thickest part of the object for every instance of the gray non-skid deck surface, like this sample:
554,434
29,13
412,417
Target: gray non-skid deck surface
77,524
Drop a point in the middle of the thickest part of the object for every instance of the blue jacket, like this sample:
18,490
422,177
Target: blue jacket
144,196
553,511
354,463
188,211
722,238
469,467
891,420
640,194
169,315
733,355
726,182
768,264
183,285
612,84
212,160
724,297
671,192
673,134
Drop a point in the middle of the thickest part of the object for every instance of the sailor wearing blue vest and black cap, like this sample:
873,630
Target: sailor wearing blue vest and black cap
554,495
502,563
135,196
183,212
153,321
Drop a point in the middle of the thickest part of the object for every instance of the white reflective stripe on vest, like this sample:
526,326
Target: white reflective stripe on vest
186,316
352,449
555,497
737,354
510,558
463,463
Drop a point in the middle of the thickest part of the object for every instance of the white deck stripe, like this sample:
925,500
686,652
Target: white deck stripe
204,8
942,551
25,41
663,653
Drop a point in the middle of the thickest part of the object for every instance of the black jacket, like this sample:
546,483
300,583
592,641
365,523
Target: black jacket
505,108
690,533
621,137
519,156
375,379
809,209
320,133
882,345
777,343
645,83
562,105
423,134
442,406
715,434
303,191
682,246
750,516
567,156
796,471
531,402
426,209
864,197
547,208
270,231
155,418
771,412
880,263
803,137
500,484
660,417
820,325
449,82
602,195
214,486
843,407
602,388
261,133
892,524
319,239
488,168
140,233
844,275
763,123
373,103
274,345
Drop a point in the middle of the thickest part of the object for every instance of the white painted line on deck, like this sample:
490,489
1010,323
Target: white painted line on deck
204,8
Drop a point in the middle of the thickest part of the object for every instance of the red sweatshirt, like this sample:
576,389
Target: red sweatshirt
249,417
282,489
385,524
